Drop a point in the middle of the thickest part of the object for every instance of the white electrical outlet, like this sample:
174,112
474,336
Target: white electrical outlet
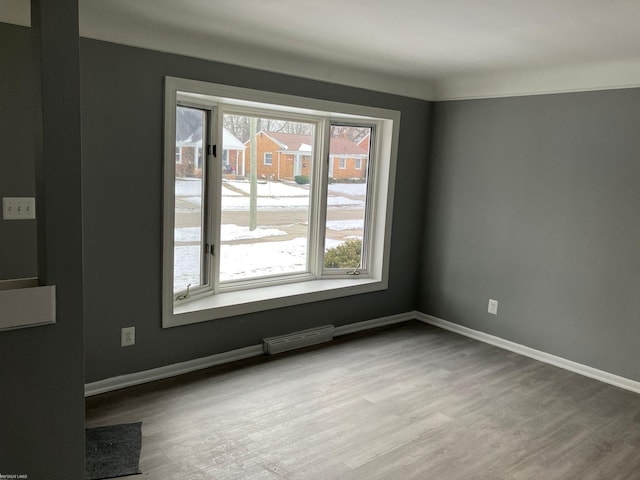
128,336
493,306
18,208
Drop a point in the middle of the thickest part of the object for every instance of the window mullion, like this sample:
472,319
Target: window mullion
214,190
206,209
320,195
371,195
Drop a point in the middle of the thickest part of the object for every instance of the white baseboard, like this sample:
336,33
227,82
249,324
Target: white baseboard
160,373
375,323
575,367
138,378
131,379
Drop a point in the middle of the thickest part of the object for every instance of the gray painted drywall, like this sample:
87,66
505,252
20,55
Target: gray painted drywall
18,255
534,201
41,376
122,105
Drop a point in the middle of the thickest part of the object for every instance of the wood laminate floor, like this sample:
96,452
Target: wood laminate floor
407,402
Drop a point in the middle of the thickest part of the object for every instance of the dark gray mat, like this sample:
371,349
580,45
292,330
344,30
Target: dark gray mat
113,451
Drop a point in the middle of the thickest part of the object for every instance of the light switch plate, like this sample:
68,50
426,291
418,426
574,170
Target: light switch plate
18,208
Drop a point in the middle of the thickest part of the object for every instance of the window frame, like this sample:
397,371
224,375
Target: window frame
206,305
206,218
264,160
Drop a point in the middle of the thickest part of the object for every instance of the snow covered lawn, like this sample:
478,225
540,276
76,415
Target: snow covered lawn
281,196
192,187
272,189
262,257
339,225
188,187
354,189
245,261
228,233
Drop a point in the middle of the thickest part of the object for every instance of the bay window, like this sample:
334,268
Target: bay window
280,228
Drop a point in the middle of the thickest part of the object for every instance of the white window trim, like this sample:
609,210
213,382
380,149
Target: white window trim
358,165
206,307
342,163
264,160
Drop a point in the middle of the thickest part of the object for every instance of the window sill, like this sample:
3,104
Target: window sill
241,302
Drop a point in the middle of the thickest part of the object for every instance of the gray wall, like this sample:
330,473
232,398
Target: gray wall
41,376
122,102
534,201
17,167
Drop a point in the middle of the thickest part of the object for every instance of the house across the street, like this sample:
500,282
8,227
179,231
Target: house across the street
189,153
283,156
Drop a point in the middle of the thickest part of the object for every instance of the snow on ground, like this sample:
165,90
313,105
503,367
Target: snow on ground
188,187
355,189
340,225
270,195
187,234
261,259
192,187
195,201
275,189
186,267
331,243
242,203
245,261
229,232
279,189
227,192
343,202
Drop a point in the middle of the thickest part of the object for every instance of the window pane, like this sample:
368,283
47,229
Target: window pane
189,194
265,201
349,150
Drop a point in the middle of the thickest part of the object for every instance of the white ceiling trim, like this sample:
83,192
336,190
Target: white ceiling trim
226,51
601,76
580,78
114,27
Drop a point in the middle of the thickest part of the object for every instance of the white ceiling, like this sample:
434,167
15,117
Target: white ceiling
432,49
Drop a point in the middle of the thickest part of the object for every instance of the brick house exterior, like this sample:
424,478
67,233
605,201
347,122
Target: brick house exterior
364,142
283,156
280,156
347,159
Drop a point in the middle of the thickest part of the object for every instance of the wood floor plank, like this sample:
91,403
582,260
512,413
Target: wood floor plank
409,402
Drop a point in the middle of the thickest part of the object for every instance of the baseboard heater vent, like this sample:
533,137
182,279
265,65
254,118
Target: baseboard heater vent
295,340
